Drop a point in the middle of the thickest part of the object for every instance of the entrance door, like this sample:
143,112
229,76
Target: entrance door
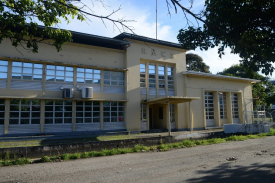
151,118
209,109
235,108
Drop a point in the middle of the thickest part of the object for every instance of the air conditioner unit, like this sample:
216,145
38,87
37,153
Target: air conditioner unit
87,92
67,92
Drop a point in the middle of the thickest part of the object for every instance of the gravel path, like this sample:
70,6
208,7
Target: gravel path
255,162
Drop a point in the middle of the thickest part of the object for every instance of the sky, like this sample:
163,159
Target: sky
143,12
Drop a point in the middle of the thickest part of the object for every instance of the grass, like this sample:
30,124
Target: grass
136,148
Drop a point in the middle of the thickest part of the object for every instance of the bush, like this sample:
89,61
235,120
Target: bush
215,141
65,157
75,156
22,161
188,143
236,138
45,159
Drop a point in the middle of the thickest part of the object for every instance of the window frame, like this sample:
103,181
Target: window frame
54,112
223,105
120,108
2,65
23,73
207,98
20,112
108,78
84,112
85,73
2,105
142,75
56,75
235,108
171,79
152,80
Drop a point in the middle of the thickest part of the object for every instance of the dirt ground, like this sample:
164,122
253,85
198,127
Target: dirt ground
254,161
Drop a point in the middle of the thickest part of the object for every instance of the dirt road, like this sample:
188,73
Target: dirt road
255,163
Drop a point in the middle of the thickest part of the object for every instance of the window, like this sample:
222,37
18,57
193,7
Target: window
3,69
161,76
142,75
91,76
60,73
143,112
58,111
2,111
160,112
170,77
152,76
27,71
209,105
222,100
24,111
235,105
87,112
113,112
172,113
113,78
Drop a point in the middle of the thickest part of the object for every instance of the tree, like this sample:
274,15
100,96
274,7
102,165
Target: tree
195,63
247,27
14,15
262,92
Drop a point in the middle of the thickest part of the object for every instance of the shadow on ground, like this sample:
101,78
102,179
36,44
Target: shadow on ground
230,173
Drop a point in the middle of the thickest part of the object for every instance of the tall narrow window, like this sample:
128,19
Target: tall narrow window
222,100
3,69
142,75
113,78
2,111
152,76
209,105
27,71
85,75
58,111
161,76
143,112
172,113
235,105
170,77
60,73
87,112
24,111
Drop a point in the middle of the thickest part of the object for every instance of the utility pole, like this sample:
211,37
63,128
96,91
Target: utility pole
156,19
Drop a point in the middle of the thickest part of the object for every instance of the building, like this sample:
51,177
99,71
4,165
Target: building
138,84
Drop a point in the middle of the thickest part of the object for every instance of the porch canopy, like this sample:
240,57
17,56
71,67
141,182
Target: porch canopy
174,100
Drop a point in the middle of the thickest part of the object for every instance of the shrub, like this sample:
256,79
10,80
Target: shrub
236,138
85,155
45,159
215,141
65,157
188,143
22,161
75,156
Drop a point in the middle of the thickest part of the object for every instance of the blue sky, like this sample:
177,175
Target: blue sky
143,12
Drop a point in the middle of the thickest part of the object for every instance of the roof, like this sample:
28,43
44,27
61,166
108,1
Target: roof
215,76
172,100
124,35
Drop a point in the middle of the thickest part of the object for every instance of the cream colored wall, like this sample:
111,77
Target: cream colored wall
196,86
140,52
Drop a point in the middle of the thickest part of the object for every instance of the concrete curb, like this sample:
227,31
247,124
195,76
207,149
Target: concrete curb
51,150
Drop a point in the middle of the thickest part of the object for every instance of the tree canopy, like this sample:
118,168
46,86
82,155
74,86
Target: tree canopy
18,21
247,27
263,92
195,63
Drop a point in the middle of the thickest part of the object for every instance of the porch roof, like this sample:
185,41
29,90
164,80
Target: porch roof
171,99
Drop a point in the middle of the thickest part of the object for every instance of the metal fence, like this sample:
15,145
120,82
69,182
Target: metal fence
260,117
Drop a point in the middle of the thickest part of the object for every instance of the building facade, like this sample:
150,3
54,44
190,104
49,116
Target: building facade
103,84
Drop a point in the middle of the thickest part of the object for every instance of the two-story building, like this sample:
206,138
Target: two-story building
128,82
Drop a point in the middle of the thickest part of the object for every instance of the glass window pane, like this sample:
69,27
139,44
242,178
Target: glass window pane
27,64
3,75
69,69
60,68
19,64
3,62
37,71
51,67
3,68
80,69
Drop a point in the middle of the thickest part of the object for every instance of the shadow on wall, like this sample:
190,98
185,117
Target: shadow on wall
228,173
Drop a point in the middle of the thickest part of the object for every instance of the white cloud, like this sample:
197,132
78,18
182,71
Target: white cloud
216,64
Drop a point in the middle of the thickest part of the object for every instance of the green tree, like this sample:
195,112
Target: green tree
195,63
247,27
18,21
262,92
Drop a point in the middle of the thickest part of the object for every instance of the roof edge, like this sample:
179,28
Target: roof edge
194,73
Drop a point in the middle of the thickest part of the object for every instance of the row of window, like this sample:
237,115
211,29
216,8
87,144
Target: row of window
209,105
26,111
163,74
55,73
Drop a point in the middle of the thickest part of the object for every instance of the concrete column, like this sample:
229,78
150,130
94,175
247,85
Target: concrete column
166,79
229,107
7,116
168,120
9,75
217,108
42,115
157,80
101,115
74,114
148,116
